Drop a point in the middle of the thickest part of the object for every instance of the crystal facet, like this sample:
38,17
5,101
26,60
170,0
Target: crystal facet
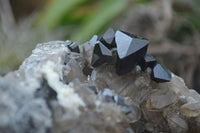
130,50
67,59
108,38
108,95
126,109
94,40
160,74
74,47
68,42
147,61
120,101
94,89
101,55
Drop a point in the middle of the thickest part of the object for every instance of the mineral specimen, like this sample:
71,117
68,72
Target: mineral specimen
57,90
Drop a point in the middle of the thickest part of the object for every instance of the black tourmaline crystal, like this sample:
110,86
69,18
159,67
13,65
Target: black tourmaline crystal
160,74
101,55
130,50
147,61
94,40
108,38
74,47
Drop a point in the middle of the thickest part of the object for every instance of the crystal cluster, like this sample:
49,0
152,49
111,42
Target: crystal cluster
131,50
57,90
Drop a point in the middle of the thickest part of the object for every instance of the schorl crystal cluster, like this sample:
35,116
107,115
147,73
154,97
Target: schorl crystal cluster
131,50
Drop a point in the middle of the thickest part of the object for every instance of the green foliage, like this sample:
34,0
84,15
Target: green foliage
101,17
82,18
56,9
181,32
195,20
141,1
191,13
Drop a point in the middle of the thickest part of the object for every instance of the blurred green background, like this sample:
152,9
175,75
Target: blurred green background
172,26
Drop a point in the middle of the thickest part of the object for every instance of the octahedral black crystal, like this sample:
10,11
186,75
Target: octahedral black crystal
147,61
101,55
160,74
126,109
74,47
130,50
108,39
94,40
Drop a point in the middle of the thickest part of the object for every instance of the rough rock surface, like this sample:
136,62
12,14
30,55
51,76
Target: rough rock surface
50,93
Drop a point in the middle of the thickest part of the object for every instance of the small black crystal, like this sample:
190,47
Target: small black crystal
94,89
107,92
108,95
67,59
147,61
120,101
126,109
68,42
108,39
101,55
160,74
74,47
130,50
94,40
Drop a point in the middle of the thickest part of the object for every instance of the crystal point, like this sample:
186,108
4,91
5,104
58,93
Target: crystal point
130,51
147,61
94,40
160,74
74,47
108,38
101,55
